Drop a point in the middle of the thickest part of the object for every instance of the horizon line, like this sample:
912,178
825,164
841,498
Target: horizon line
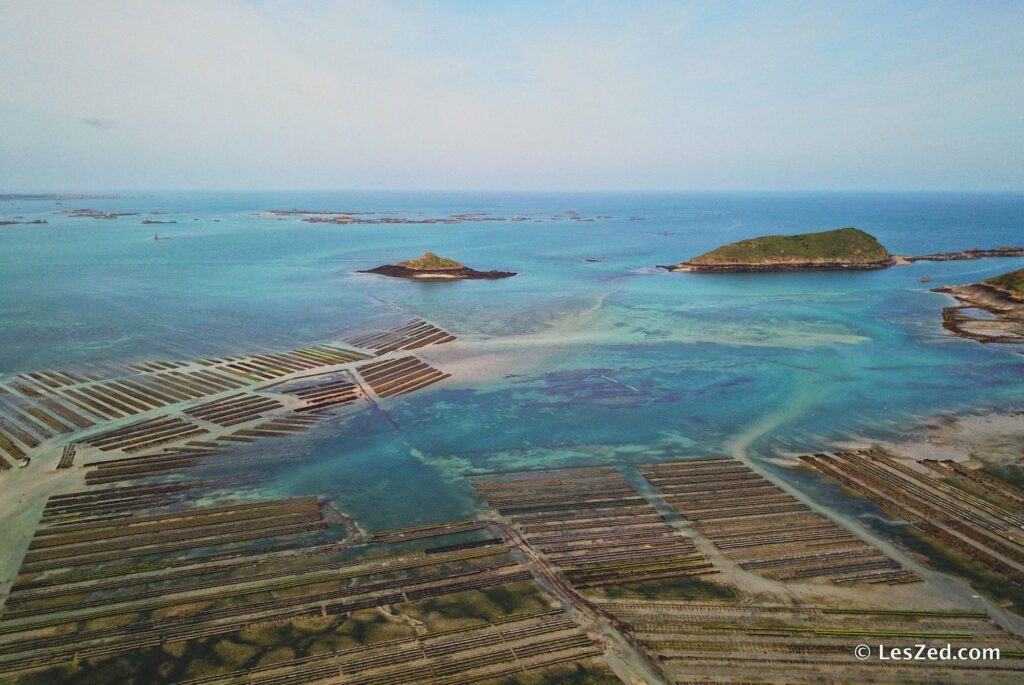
522,191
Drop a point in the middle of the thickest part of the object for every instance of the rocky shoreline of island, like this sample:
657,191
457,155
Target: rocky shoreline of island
775,267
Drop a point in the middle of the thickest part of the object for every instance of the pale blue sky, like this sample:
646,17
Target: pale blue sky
518,95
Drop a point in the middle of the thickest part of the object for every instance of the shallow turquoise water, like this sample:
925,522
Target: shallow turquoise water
589,362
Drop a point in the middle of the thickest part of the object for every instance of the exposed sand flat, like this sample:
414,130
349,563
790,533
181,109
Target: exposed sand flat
24,495
992,438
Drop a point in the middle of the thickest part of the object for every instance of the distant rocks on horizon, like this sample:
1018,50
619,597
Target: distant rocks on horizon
15,197
89,213
12,222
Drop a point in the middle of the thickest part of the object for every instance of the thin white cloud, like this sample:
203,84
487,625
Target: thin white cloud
96,122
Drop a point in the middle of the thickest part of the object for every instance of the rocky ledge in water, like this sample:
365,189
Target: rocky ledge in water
90,213
991,311
973,253
430,267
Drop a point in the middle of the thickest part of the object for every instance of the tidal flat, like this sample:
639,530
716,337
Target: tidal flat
248,460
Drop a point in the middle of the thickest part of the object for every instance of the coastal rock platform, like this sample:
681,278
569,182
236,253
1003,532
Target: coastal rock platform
984,313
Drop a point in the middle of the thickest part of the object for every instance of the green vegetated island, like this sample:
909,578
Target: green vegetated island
843,248
431,267
836,250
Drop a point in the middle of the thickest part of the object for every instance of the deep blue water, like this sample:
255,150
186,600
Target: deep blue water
579,362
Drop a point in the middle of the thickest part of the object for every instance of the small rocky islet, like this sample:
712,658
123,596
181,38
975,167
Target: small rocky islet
431,267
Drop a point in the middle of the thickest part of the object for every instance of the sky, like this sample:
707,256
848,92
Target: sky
478,95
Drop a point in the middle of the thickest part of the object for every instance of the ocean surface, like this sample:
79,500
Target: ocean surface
570,362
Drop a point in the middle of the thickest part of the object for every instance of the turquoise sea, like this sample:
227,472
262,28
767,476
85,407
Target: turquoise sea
572,361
